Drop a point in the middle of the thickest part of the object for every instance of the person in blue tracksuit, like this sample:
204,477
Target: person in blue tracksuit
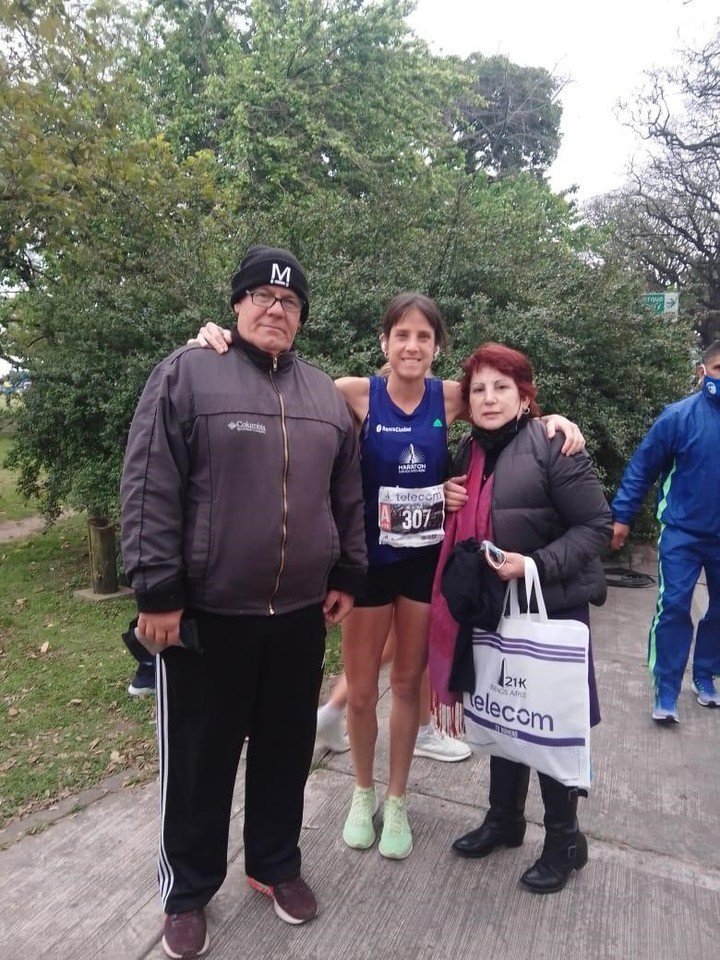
682,448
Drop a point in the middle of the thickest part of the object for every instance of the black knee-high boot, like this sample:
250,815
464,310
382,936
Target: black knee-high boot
565,847
504,823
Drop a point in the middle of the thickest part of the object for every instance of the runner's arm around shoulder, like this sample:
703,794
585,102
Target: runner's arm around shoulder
356,391
211,335
573,440
152,494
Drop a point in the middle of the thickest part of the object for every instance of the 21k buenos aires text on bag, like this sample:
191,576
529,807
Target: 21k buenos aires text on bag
531,701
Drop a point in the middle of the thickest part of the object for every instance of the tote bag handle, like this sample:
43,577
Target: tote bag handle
532,585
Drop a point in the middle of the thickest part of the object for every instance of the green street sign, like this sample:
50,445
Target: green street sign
663,303
654,302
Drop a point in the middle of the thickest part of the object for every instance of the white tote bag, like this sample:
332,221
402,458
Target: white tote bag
531,701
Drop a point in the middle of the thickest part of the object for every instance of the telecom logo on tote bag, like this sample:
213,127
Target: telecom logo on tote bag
531,701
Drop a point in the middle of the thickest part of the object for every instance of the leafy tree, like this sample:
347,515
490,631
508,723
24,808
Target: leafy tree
526,272
184,50
131,289
101,232
506,260
300,95
61,118
508,117
322,126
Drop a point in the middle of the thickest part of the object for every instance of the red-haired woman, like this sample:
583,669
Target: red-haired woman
512,485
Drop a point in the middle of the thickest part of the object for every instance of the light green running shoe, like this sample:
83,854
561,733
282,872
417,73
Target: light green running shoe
359,832
396,839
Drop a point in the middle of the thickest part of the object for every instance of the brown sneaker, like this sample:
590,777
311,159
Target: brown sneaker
293,900
185,934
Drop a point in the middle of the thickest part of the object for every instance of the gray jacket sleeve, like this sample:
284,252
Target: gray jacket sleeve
349,573
152,494
577,498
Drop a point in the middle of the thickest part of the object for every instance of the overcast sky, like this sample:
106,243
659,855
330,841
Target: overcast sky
602,48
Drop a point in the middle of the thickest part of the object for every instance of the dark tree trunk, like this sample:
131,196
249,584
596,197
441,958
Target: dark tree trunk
103,562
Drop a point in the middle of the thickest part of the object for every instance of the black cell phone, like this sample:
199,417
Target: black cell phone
189,635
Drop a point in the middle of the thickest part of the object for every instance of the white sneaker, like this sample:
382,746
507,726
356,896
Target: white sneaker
436,745
329,734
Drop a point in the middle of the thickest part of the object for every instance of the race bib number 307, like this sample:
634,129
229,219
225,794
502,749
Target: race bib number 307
411,517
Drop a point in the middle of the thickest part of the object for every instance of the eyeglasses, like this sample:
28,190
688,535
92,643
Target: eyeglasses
290,305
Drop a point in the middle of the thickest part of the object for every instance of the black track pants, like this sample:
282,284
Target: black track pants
257,677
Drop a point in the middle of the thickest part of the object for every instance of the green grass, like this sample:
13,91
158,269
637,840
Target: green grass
12,505
66,720
333,652
8,420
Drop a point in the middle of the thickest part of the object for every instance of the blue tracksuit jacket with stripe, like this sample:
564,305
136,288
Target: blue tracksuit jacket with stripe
682,448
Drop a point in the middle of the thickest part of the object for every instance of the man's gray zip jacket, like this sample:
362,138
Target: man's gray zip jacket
241,489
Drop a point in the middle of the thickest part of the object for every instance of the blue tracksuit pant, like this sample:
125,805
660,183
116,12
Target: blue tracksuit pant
681,557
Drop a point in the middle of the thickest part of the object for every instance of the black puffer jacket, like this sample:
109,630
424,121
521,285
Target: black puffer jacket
550,507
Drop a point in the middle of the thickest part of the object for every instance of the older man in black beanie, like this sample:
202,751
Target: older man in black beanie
242,519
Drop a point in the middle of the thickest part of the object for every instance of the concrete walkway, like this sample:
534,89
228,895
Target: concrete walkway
85,888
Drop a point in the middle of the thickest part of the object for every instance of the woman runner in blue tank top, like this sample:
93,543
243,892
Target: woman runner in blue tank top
404,420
